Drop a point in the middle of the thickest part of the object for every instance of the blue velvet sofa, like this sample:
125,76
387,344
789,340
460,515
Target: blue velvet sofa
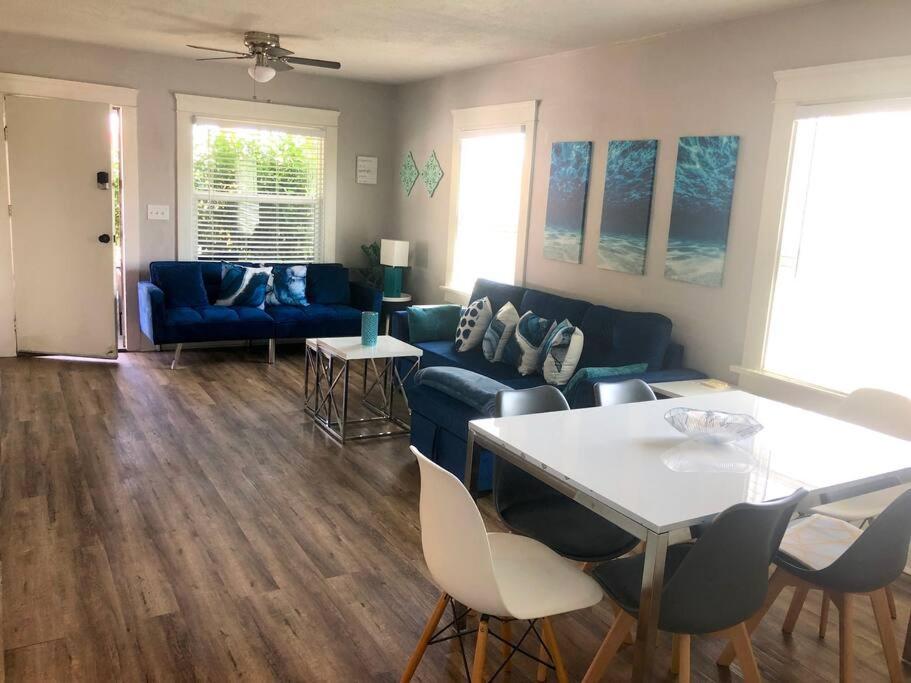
173,311
439,423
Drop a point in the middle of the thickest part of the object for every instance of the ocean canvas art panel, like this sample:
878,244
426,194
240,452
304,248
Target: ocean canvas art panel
570,165
627,206
701,210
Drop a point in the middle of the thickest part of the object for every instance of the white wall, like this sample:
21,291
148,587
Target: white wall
714,80
365,127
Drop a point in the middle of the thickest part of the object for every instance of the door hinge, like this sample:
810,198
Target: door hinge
6,132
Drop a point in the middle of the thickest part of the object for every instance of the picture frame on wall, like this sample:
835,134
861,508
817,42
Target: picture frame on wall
564,223
366,170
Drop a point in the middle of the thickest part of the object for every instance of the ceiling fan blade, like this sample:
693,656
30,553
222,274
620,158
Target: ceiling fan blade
215,59
278,51
279,65
312,62
218,49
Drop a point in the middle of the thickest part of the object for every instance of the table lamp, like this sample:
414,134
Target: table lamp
393,255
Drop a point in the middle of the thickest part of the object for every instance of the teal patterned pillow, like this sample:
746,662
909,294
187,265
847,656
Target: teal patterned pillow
562,350
499,332
287,286
243,286
524,348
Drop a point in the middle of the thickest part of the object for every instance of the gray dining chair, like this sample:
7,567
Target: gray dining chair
529,506
627,391
711,586
824,553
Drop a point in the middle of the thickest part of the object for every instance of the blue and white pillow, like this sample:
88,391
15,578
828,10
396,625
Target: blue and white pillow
562,350
243,286
501,328
524,348
287,286
473,325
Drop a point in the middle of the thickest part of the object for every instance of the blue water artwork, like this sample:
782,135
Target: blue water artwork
570,163
627,205
701,212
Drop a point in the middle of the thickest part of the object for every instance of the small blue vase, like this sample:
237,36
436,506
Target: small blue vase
370,324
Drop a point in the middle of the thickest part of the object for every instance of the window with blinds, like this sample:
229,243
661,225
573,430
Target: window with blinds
257,192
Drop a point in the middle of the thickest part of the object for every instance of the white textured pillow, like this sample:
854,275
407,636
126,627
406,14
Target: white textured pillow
501,328
562,350
473,325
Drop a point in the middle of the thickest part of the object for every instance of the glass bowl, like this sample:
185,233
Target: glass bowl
712,426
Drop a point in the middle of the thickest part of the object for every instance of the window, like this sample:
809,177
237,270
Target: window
257,192
256,181
492,149
839,316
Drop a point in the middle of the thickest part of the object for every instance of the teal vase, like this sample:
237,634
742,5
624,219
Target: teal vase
370,325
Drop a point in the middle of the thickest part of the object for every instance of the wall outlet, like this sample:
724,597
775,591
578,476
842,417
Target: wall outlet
159,212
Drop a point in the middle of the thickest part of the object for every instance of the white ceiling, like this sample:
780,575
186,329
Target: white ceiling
382,40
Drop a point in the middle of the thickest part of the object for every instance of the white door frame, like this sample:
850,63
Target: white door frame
125,99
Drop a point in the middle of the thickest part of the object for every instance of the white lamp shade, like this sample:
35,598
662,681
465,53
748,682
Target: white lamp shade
394,253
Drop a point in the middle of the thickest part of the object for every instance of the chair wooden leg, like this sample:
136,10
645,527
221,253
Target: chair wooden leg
844,602
824,615
542,669
551,639
880,602
628,638
609,647
790,621
891,598
429,628
680,659
777,582
506,635
740,639
480,651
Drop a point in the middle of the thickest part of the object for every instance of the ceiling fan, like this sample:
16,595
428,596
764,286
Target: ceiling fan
267,55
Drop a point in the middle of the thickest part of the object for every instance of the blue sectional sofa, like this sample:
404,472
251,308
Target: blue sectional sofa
439,423
173,311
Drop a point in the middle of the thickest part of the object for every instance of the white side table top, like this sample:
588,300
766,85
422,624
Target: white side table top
405,298
350,348
690,387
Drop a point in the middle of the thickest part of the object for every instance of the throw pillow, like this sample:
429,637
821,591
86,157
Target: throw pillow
524,347
562,350
243,286
586,378
473,325
500,330
287,286
432,323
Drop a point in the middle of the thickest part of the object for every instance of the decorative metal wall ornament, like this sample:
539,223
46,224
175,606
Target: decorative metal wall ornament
432,174
409,173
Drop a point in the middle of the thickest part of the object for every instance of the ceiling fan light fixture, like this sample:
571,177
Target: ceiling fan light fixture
261,72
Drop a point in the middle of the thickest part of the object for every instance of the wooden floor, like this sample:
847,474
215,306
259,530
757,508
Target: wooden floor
160,525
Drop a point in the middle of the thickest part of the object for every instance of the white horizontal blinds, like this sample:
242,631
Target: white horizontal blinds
257,192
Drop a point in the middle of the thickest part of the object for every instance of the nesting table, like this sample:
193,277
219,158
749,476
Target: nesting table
330,359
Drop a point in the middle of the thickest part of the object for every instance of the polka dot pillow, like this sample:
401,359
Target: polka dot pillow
473,325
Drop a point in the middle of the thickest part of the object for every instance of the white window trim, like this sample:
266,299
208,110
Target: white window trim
191,106
515,114
837,87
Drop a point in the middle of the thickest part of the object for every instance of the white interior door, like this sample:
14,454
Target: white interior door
61,224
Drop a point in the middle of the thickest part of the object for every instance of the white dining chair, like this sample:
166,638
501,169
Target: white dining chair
499,576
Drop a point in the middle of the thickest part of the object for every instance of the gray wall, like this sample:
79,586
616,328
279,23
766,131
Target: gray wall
715,80
365,126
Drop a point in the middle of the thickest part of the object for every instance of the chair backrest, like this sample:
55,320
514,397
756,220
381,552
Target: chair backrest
455,542
877,557
880,410
510,484
628,391
724,578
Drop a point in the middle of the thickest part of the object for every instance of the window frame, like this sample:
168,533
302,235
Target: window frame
803,93
479,119
191,107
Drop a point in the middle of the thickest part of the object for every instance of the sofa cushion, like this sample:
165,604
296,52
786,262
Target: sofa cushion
441,353
328,284
215,323
468,387
553,307
433,323
215,314
315,320
243,285
473,325
498,293
181,282
639,338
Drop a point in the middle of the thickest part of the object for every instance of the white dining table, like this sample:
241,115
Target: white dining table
630,466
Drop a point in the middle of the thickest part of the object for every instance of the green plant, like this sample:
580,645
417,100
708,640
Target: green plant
373,273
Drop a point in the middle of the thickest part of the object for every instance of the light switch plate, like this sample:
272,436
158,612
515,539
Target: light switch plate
159,212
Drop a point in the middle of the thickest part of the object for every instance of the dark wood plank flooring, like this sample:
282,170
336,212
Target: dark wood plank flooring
194,525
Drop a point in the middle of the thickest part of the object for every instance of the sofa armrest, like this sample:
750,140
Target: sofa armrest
398,326
151,310
366,298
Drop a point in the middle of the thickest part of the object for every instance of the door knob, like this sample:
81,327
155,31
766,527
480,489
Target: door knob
104,238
